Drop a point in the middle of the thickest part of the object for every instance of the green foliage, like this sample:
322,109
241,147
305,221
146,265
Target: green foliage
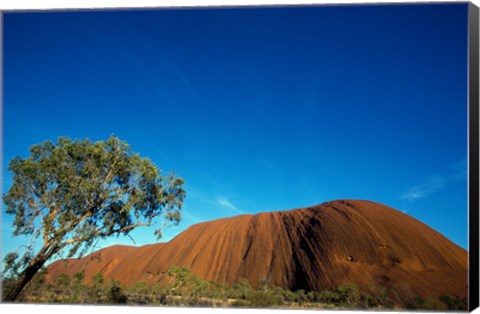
78,290
180,276
115,294
95,291
377,296
454,304
241,289
159,293
98,280
264,298
71,193
78,278
63,280
351,297
442,303
348,294
265,282
433,304
300,296
184,288
328,296
141,286
11,264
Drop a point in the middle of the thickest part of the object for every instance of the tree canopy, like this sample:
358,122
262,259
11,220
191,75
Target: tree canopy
72,193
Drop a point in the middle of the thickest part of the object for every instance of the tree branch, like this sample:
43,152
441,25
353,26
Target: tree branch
105,234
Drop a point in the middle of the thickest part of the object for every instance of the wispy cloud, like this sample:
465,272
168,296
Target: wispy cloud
225,203
428,186
457,171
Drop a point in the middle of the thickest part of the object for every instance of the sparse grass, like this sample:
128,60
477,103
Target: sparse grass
185,289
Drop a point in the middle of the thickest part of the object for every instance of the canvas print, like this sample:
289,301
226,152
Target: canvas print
296,157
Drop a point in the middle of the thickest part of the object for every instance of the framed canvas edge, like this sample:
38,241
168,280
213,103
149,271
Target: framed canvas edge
473,32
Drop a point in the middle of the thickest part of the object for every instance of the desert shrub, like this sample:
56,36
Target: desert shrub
78,277
432,303
454,303
328,296
78,289
279,293
264,298
195,287
378,297
300,296
141,293
421,303
217,290
95,291
98,279
241,289
441,303
142,288
160,293
63,281
312,296
184,288
187,284
348,295
264,283
289,296
417,303
351,296
179,275
367,301
114,293
62,290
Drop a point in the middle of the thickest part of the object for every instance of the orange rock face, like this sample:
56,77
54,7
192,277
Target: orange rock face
315,248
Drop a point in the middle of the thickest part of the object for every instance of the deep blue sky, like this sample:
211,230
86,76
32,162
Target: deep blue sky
257,109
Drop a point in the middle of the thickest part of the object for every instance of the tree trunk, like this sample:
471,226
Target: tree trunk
33,267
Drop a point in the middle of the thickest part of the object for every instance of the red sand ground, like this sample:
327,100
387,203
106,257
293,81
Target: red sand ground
315,248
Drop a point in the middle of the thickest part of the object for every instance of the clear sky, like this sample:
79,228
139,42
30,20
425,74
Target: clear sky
257,109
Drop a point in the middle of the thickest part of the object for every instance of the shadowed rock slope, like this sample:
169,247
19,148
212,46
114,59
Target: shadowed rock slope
315,248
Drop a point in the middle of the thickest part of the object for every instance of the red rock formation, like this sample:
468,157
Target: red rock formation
315,248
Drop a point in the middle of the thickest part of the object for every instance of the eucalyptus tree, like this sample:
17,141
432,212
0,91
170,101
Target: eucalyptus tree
69,194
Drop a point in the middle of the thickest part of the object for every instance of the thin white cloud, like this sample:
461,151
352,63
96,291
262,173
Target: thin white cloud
427,187
225,203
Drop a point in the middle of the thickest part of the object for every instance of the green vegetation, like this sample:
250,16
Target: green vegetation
69,194
183,288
